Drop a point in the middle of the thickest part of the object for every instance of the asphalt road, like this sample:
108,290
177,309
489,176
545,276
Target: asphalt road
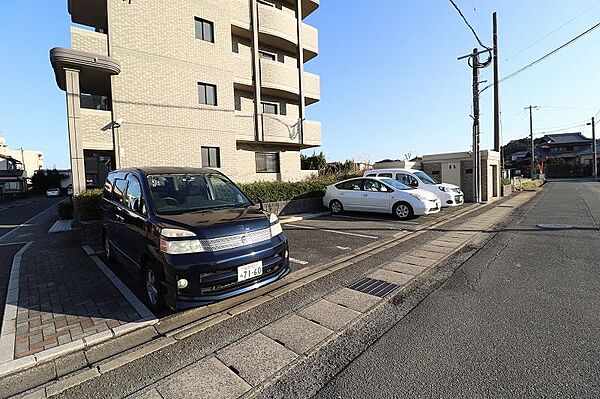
14,214
519,319
319,240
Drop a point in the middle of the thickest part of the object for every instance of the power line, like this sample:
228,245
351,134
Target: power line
469,25
573,108
512,75
554,31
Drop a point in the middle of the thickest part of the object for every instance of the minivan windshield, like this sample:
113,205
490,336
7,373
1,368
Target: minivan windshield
425,178
396,184
183,193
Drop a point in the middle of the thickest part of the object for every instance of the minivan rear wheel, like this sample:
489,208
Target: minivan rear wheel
107,248
153,289
403,211
336,207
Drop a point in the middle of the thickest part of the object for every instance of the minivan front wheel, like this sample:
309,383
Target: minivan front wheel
403,211
153,287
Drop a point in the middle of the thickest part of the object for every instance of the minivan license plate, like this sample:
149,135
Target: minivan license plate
250,271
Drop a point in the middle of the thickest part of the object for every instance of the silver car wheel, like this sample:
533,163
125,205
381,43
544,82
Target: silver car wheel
402,211
336,207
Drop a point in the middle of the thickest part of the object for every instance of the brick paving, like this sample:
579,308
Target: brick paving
63,296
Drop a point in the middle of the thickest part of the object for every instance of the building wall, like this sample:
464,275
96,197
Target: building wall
32,160
156,92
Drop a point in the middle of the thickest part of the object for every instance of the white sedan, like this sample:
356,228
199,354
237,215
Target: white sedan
380,195
52,192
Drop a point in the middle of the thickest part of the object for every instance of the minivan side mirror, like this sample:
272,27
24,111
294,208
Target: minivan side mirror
414,184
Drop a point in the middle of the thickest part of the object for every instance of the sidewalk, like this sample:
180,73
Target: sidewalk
58,300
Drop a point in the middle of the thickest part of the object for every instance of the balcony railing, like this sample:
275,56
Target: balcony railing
279,129
282,77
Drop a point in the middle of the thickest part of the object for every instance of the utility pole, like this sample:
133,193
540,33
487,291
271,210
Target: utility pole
476,139
531,108
476,65
595,152
496,85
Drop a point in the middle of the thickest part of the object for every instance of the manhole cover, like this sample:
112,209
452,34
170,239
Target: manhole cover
554,226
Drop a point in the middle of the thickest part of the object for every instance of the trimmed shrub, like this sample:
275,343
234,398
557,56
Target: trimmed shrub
286,191
65,209
88,205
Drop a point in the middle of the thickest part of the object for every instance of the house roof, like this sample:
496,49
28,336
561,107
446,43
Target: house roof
566,138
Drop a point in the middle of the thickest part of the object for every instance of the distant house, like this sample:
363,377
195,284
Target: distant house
562,154
13,178
565,145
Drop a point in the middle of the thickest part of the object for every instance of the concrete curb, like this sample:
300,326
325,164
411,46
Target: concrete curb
9,321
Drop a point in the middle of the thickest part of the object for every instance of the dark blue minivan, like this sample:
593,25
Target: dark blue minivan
191,235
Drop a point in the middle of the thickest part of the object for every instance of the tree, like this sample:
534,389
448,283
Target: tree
313,162
42,180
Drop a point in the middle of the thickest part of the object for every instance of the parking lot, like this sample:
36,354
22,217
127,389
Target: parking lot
323,238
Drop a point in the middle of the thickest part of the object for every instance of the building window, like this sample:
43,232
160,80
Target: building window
205,30
267,55
207,94
211,157
93,101
270,108
267,162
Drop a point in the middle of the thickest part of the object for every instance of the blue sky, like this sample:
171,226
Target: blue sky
390,81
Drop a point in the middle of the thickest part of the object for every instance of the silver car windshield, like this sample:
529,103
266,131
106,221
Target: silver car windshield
425,178
396,184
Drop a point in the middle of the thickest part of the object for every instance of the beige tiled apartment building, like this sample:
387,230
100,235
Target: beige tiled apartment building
159,82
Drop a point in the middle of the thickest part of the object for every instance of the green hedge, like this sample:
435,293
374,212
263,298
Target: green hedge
88,205
285,191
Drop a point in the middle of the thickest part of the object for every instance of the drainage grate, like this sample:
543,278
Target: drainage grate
373,287
554,226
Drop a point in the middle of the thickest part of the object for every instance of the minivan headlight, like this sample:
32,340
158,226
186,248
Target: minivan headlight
178,245
276,228
444,189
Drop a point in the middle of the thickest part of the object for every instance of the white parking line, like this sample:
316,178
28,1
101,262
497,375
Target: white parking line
300,262
343,248
374,219
334,231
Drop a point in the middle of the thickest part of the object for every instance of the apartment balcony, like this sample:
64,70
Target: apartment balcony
89,12
278,130
309,6
89,41
281,80
277,28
